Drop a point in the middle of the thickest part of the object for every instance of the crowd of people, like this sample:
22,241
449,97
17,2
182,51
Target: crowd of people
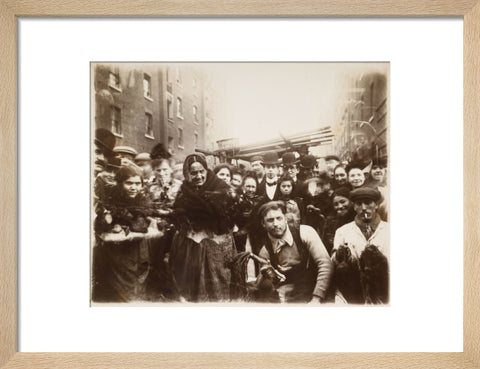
274,230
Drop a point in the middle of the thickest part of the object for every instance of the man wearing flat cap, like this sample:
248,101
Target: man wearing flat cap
126,153
367,228
269,188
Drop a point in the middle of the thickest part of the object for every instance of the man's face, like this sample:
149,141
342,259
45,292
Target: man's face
132,186
366,209
331,164
286,187
275,223
356,177
163,172
340,176
291,170
341,205
271,171
236,180
257,167
249,187
377,173
198,174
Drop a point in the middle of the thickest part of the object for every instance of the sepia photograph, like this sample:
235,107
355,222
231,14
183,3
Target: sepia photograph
240,183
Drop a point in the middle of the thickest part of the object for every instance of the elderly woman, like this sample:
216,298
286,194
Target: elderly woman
203,245
122,225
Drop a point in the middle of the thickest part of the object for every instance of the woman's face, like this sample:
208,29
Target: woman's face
341,205
163,172
340,176
132,186
286,187
249,187
377,173
198,174
224,174
356,177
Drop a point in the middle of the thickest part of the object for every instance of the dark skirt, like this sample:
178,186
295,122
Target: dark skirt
119,271
201,270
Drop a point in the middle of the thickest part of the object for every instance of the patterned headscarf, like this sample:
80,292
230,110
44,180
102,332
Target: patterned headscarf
190,159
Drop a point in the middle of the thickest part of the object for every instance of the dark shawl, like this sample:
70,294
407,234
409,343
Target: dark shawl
208,208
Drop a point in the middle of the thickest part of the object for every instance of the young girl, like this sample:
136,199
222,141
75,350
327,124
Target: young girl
292,205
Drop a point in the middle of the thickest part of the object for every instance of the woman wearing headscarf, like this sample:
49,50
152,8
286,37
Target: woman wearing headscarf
203,246
122,225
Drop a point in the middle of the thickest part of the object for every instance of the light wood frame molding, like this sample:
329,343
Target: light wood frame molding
10,10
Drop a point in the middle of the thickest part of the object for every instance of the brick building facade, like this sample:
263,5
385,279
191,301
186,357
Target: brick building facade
146,104
362,131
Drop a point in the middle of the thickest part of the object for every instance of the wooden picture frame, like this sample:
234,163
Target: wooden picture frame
10,10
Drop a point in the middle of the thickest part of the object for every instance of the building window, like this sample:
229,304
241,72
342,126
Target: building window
170,144
114,81
195,114
169,107
115,115
148,125
178,76
179,108
169,79
180,137
195,140
147,86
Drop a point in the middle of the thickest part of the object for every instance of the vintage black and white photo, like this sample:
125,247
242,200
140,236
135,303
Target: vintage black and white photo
240,183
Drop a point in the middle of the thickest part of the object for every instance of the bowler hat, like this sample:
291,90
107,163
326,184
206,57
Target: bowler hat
270,158
104,139
332,157
308,162
365,193
289,159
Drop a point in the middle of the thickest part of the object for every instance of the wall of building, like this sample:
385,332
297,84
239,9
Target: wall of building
167,82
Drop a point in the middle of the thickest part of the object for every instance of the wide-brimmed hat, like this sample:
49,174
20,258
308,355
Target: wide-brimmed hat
308,162
366,192
270,158
289,159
